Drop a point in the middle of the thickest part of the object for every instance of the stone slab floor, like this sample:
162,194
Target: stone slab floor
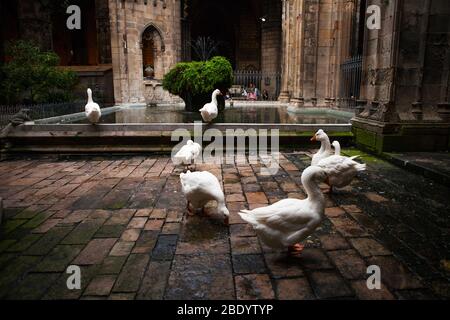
123,221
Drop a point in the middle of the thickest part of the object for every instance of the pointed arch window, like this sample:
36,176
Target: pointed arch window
148,53
152,45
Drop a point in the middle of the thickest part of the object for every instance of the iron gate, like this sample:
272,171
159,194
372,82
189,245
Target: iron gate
260,79
350,88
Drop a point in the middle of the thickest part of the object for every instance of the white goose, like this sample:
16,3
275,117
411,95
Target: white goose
337,148
210,110
201,187
340,170
325,147
187,154
289,221
92,109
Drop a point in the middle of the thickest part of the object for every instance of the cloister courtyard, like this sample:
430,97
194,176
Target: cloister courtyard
110,112
123,220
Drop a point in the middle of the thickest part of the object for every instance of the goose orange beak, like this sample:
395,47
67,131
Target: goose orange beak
313,138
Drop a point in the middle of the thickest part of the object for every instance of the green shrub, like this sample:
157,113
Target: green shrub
199,78
33,76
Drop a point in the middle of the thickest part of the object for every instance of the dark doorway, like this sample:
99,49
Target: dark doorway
234,26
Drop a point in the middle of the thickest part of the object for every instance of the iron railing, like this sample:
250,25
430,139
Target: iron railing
259,79
40,111
6,113
351,73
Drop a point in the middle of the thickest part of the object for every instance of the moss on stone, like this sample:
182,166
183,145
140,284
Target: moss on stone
366,138
118,205
364,156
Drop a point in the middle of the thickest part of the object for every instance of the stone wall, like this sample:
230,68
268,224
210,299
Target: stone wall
128,20
35,23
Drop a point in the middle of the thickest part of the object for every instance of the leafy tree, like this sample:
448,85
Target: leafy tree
33,76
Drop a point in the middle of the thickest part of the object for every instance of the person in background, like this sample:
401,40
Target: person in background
257,93
265,95
252,92
244,93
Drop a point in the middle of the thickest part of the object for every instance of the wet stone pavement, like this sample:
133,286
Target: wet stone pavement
123,221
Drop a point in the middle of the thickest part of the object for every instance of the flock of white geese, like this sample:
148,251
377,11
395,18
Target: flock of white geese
283,224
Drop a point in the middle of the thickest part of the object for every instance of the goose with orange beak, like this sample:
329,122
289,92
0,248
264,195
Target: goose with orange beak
325,150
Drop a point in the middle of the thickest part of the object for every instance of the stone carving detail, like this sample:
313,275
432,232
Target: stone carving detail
371,76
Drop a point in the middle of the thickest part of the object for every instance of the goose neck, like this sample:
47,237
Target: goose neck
313,191
90,100
337,150
214,98
325,146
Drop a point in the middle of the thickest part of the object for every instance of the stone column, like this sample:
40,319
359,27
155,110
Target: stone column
297,99
119,51
405,84
310,56
284,94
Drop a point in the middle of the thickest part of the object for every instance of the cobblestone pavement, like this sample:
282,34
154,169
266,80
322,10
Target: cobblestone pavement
123,221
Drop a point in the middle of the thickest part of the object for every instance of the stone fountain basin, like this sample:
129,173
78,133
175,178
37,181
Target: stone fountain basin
54,135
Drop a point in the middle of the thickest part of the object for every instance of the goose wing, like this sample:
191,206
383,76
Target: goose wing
201,182
336,165
284,215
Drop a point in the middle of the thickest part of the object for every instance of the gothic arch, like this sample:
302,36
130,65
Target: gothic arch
152,27
153,47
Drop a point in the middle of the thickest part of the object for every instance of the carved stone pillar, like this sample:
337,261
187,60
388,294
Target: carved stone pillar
405,80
